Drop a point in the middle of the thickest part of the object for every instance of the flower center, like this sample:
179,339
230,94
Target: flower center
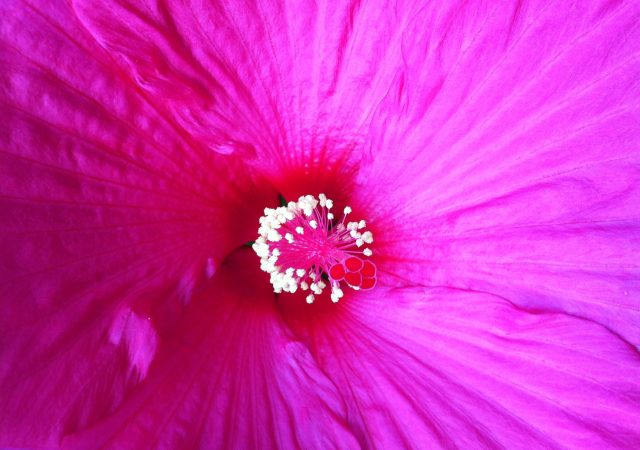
303,245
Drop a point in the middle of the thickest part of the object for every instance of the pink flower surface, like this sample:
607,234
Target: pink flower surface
493,148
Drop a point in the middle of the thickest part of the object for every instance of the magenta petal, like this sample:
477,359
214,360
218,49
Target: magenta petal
105,208
121,191
444,368
232,376
521,131
288,78
192,62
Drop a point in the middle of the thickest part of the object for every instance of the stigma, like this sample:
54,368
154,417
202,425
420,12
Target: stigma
306,245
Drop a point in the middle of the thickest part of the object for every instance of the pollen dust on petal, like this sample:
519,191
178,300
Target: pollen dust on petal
138,336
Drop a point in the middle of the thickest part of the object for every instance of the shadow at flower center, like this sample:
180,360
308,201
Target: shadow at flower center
308,320
240,284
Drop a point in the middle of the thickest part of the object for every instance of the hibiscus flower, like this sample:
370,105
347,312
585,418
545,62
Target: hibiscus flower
449,251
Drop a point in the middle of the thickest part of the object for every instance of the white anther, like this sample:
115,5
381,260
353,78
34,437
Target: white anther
307,204
330,216
362,224
367,252
315,288
273,236
323,200
300,272
336,294
299,230
276,252
347,210
289,237
329,203
367,236
262,250
313,224
304,285
359,242
310,298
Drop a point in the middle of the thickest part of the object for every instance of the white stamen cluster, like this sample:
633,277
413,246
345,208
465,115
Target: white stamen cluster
270,224
314,215
361,238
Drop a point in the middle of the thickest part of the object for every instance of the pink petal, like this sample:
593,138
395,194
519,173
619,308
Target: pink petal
104,207
298,81
186,57
446,368
519,134
111,178
232,376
